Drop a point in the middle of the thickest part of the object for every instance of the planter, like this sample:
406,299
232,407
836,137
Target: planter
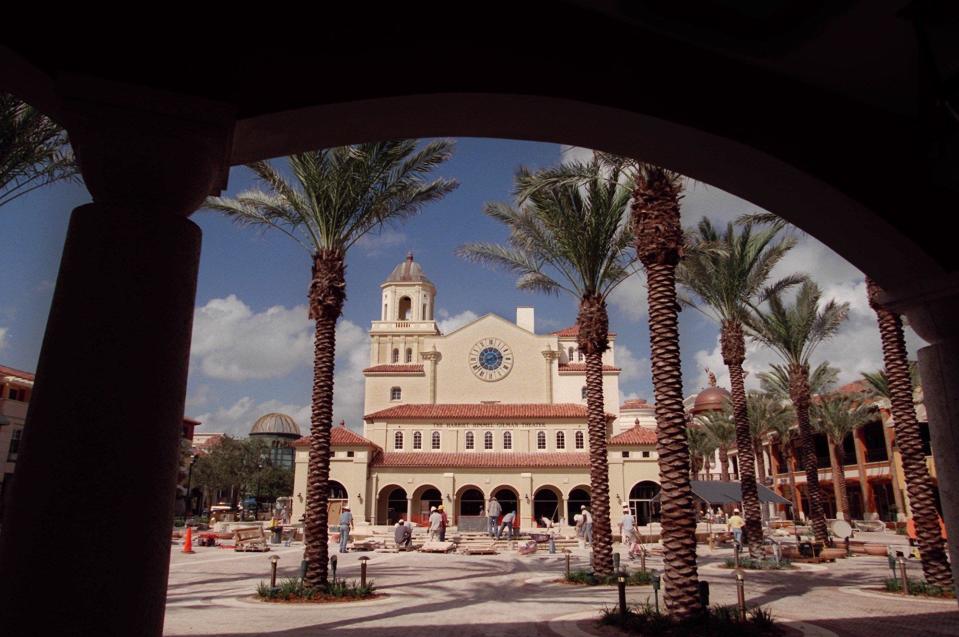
876,549
857,546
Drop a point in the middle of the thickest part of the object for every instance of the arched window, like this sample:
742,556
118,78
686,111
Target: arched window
582,392
417,440
470,440
580,441
435,442
406,309
507,440
560,440
425,317
396,356
396,393
488,440
540,439
570,357
398,440
579,356
409,355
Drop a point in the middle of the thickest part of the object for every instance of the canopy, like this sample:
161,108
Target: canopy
714,492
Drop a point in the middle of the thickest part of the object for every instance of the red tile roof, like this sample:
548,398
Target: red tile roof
636,403
394,369
855,387
482,411
572,330
580,368
10,371
637,435
483,460
340,436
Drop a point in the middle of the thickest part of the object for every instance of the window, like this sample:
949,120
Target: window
396,356
417,440
396,393
625,454
424,313
14,445
435,442
406,309
540,439
409,355
488,440
645,454
398,440
384,311
350,454
579,440
507,440
560,440
579,356
571,351
582,392
470,440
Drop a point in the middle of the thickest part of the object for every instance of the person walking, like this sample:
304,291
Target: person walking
346,524
507,524
436,521
735,524
493,511
626,525
444,522
587,525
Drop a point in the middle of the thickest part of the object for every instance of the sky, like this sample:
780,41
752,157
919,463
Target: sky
252,340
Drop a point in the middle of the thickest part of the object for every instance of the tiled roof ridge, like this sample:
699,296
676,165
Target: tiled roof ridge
395,368
483,410
12,371
635,435
482,459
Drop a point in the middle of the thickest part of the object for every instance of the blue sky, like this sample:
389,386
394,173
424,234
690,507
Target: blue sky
252,340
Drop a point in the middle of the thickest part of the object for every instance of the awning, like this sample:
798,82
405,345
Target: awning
715,492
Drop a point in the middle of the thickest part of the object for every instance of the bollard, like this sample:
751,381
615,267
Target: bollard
902,572
363,561
892,566
656,590
741,594
567,562
273,560
333,567
552,544
621,582
848,549
736,554
704,594
303,566
616,562
642,559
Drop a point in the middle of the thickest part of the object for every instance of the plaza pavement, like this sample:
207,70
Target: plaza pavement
211,592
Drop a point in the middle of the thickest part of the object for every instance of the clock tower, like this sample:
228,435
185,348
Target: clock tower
406,316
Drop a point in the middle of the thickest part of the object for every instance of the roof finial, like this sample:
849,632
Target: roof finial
343,424
409,256
712,378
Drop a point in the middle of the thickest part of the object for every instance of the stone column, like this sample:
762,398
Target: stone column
936,320
550,355
433,358
94,461
868,498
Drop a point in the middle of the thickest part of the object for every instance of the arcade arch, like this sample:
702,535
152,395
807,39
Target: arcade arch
578,497
641,501
547,503
470,501
424,497
391,504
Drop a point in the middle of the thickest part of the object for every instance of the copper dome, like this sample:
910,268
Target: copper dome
275,425
408,271
711,399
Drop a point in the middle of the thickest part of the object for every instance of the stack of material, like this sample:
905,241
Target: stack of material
438,547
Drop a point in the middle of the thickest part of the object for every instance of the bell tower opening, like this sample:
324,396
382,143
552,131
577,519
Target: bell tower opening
405,309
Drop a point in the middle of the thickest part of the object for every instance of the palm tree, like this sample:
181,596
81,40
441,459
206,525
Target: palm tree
784,432
660,247
725,273
775,382
793,332
702,446
837,416
719,426
918,482
572,235
339,195
764,412
34,150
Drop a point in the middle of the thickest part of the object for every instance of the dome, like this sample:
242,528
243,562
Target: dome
408,272
711,399
276,425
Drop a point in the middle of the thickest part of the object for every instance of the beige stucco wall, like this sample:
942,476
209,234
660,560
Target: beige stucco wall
414,390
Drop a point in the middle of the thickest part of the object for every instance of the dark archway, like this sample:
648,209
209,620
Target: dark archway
424,498
641,502
546,504
470,501
338,491
391,505
509,500
578,498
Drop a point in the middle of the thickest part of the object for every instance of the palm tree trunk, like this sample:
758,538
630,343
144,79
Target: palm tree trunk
593,340
800,396
760,460
723,464
790,458
836,455
935,565
733,348
327,294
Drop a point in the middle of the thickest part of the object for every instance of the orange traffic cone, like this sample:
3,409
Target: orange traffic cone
188,541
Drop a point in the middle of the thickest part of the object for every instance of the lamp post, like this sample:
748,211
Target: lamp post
273,560
363,561
189,485
621,582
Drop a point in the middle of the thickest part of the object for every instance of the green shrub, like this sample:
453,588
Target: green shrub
295,588
917,587
636,578
718,621
751,564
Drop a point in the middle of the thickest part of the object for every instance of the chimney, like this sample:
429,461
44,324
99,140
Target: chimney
524,318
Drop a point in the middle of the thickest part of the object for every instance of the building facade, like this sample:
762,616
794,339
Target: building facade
490,409
16,386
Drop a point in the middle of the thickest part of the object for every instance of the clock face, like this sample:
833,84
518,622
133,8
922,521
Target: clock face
491,359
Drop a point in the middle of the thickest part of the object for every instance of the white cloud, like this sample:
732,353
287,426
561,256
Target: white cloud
375,244
231,342
199,397
633,368
454,322
238,418
630,298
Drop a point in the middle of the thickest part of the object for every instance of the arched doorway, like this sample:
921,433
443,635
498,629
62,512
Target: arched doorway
578,498
641,502
391,505
425,497
508,499
546,504
470,502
